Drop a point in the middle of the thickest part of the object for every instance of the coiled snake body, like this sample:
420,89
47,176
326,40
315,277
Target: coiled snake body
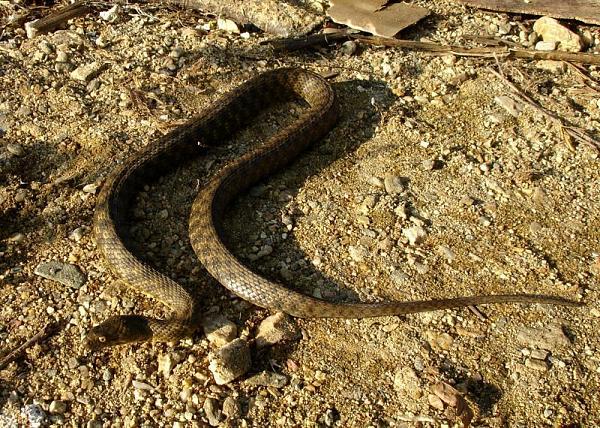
213,126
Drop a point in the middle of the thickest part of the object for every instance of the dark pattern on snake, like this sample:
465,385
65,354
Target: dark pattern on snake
210,128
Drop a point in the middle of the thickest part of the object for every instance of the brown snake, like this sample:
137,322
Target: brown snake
211,128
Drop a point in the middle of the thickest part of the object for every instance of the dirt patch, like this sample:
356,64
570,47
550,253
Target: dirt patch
500,204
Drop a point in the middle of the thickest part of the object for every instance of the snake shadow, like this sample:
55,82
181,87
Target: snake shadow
164,243
363,106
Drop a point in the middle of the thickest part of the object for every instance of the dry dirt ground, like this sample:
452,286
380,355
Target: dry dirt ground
494,202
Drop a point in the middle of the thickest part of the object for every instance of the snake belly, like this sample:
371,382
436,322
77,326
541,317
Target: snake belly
211,128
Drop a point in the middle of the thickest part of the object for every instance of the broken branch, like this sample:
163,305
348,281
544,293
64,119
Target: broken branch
58,18
492,52
291,44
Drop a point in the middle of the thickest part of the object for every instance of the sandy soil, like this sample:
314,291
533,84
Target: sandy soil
499,204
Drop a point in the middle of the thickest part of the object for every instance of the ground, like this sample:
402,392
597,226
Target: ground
481,201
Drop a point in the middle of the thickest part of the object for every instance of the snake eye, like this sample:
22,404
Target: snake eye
101,339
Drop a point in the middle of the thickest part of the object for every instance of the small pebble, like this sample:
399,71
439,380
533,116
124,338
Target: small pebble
393,184
90,188
549,337
540,365
348,47
16,238
435,401
267,378
165,365
85,73
211,409
232,408
276,328
57,407
357,253
228,25
230,362
543,45
77,234
376,182
219,330
15,149
414,234
35,415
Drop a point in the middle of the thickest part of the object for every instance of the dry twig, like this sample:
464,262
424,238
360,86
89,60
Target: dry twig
41,335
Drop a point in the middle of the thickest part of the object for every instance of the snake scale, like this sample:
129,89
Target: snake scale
212,127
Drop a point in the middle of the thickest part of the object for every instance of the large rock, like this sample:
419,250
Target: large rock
66,274
552,31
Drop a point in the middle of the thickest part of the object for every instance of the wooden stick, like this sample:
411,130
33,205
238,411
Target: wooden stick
44,332
292,44
57,18
583,58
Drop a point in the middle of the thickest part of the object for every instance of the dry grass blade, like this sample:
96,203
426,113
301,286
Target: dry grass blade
569,133
40,336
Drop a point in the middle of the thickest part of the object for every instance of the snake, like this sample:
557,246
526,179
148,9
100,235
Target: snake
214,125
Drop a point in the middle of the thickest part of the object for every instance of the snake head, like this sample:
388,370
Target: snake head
118,330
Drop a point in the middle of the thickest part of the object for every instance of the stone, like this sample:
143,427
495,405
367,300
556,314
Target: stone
16,237
540,365
213,414
439,340
539,354
509,104
348,47
66,274
435,401
232,408
165,365
549,337
357,253
267,378
230,362
393,184
219,330
406,381
77,234
112,14
62,57
414,234
90,188
551,66
276,328
57,407
228,25
15,149
376,182
35,415
85,73
545,46
550,30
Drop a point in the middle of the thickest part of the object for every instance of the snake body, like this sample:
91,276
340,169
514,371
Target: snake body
215,125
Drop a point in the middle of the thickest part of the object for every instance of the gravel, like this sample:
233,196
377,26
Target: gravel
495,202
